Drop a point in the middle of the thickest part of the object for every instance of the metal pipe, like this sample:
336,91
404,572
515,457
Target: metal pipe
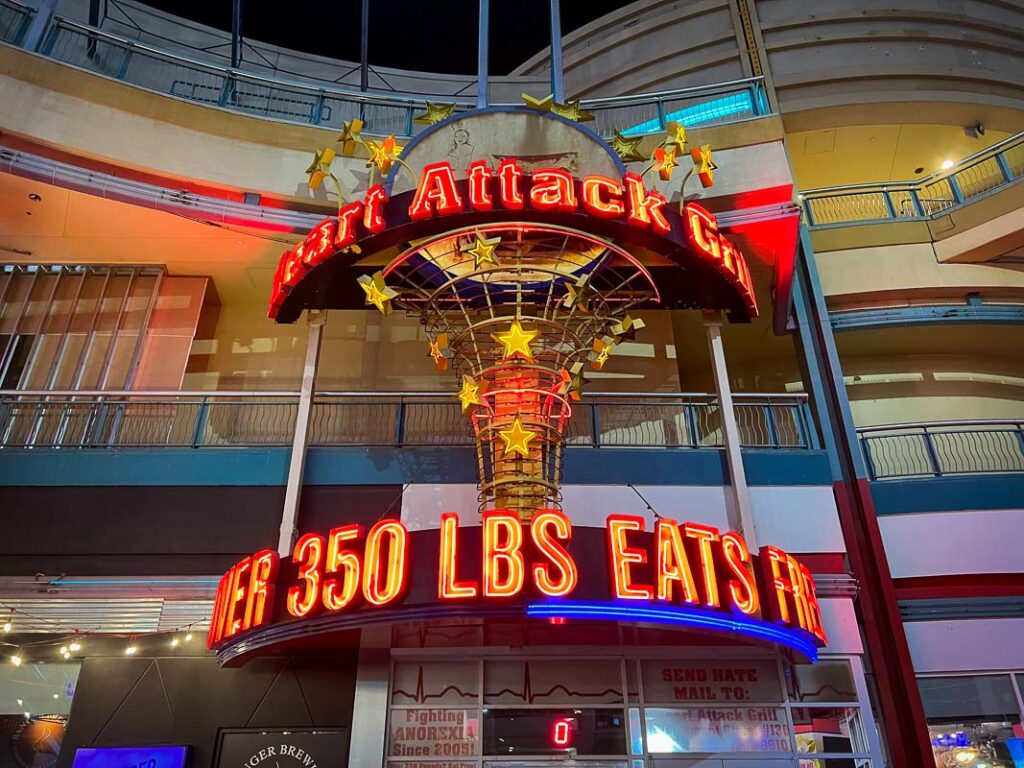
482,54
236,33
364,47
256,394
557,75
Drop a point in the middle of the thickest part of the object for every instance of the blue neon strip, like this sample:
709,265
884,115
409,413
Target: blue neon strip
677,615
716,109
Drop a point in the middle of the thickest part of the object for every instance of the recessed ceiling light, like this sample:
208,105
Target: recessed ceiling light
918,170
34,197
947,164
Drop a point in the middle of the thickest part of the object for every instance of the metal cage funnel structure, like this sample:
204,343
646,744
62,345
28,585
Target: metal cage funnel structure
516,312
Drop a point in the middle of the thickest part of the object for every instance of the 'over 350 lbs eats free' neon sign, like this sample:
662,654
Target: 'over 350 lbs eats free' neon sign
680,570
511,190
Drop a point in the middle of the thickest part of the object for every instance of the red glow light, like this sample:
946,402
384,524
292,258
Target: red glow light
561,732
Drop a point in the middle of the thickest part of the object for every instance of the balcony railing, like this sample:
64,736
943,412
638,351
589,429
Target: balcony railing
969,180
327,106
77,420
942,448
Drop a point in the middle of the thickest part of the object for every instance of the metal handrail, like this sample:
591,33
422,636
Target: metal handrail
324,104
76,419
972,178
942,448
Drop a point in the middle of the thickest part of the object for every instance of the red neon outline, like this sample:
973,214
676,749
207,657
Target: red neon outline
509,176
706,535
448,587
668,539
621,557
594,204
373,212
561,739
397,571
261,589
436,193
335,599
558,556
310,563
480,175
742,589
553,189
509,552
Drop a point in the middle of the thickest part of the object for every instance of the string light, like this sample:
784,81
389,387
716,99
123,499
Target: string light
188,637
131,650
16,660
7,627
63,650
174,642
75,646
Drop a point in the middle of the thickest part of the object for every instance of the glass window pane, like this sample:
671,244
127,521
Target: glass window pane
824,681
722,681
553,682
454,682
969,745
511,732
37,688
948,699
735,729
433,733
828,729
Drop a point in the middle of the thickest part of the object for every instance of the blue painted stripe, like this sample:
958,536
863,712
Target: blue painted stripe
948,494
676,615
391,466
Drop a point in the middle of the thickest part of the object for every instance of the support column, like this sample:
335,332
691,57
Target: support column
370,703
40,23
364,47
878,613
482,54
741,514
300,440
557,73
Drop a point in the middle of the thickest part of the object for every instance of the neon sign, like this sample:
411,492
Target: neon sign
681,573
545,191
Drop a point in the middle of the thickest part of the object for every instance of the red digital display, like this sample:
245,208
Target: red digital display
561,732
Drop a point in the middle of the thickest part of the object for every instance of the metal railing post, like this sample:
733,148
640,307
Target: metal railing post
869,461
933,457
199,432
660,105
1004,166
773,431
915,197
691,423
399,422
300,437
92,434
888,204
595,425
40,24
954,187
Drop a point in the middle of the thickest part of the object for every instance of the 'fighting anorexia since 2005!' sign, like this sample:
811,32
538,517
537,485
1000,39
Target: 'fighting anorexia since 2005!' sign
678,573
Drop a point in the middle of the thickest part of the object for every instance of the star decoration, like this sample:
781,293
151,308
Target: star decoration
627,327
602,349
665,161
576,387
350,135
320,168
676,136
482,250
541,105
434,113
705,165
517,439
576,295
377,293
470,393
439,351
517,340
627,148
382,154
571,110
567,385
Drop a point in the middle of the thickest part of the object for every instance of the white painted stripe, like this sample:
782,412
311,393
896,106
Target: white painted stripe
966,645
937,543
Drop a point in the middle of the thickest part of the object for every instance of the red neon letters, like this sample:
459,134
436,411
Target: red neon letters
703,237
504,560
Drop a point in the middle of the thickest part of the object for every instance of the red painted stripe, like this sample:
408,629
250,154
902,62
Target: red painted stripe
963,585
823,562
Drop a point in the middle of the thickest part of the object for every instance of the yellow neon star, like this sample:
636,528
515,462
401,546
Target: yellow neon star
706,169
571,110
517,340
470,393
382,154
482,250
438,347
377,293
434,113
602,349
676,136
541,105
665,160
517,439
320,168
627,148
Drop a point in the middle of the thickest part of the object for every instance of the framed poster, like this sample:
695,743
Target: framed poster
282,748
131,757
